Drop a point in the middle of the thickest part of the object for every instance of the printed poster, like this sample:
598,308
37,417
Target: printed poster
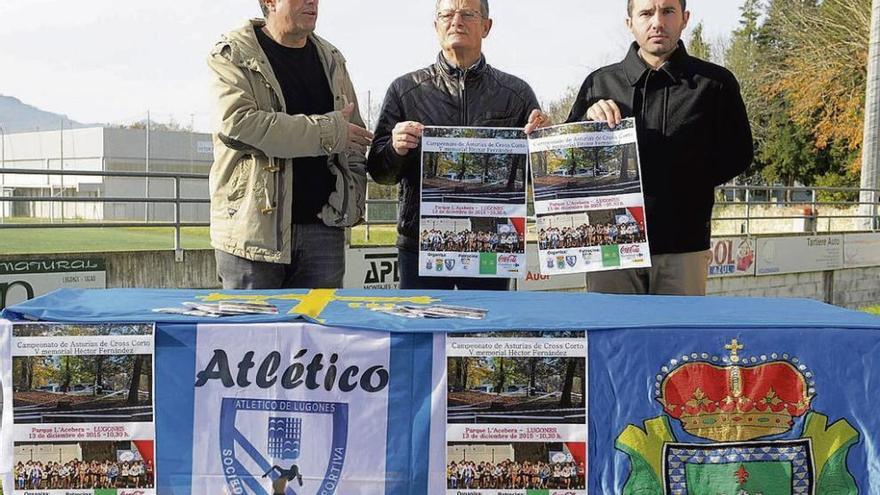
516,416
588,198
473,213
82,415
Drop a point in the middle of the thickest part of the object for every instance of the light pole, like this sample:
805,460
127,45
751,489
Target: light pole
147,169
871,147
2,175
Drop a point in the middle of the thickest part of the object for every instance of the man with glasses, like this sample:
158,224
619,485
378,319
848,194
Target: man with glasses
694,134
459,89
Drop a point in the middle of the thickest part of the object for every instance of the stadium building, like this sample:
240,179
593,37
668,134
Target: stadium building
105,149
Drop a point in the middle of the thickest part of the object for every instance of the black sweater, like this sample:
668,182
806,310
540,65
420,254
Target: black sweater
693,133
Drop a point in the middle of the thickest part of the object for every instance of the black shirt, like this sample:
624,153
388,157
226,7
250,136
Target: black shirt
306,92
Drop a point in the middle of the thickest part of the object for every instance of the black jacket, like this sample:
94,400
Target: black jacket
441,95
693,133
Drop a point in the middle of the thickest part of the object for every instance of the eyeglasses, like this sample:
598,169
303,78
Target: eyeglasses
466,15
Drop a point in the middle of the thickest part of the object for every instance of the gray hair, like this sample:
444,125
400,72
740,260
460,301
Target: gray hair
629,6
484,7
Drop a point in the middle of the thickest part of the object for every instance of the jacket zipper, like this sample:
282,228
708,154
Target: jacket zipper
279,200
343,157
276,169
329,64
462,97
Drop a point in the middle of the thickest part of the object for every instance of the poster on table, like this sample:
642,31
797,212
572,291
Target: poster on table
81,415
473,202
588,198
516,417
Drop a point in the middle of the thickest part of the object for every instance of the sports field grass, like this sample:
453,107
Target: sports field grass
99,240
380,235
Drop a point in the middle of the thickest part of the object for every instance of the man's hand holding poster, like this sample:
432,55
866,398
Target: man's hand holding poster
588,198
473,213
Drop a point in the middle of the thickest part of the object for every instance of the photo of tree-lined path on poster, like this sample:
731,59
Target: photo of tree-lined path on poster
592,171
81,378
589,205
473,202
516,390
457,170
82,389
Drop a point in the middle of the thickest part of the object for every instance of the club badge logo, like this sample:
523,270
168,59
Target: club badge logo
560,262
550,262
571,260
246,465
588,255
450,264
742,408
438,264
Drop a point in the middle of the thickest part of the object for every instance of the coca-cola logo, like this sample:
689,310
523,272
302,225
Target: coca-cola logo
633,249
507,258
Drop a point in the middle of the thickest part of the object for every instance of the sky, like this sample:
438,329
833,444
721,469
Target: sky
109,61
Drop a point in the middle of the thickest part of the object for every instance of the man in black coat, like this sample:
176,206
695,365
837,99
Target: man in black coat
693,134
460,89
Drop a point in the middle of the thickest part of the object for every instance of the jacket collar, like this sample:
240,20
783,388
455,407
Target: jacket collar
446,68
246,49
635,68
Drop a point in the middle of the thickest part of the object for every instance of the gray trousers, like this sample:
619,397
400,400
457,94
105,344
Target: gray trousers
670,275
317,262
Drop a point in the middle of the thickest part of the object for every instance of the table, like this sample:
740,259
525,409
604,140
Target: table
650,394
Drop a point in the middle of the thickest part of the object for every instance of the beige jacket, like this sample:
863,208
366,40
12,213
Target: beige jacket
251,180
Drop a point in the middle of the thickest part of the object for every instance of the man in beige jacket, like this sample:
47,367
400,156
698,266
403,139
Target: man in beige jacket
288,174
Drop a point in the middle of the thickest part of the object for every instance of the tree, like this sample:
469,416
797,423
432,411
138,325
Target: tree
500,376
134,385
558,110
697,46
568,383
170,126
532,373
517,167
823,73
742,58
800,132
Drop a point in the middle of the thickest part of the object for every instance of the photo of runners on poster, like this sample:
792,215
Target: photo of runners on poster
516,412
588,198
473,202
82,408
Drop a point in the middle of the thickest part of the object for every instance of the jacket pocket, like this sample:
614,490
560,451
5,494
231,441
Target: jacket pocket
238,183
